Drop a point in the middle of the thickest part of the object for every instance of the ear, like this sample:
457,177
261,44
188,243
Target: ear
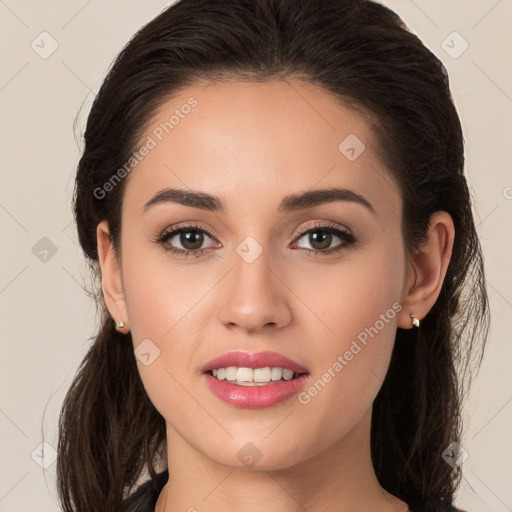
111,279
427,270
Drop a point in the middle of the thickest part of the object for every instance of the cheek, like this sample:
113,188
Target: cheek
159,309
358,307
160,295
357,299
164,309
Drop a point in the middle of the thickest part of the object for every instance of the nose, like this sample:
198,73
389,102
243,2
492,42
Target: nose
255,297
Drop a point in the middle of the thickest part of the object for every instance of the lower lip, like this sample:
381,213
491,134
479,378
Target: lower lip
255,397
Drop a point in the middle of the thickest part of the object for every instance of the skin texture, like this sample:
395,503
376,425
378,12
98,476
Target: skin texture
251,145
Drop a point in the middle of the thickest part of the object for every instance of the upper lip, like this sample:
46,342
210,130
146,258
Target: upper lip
240,358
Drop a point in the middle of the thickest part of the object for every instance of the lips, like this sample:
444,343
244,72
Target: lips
270,395
264,394
244,359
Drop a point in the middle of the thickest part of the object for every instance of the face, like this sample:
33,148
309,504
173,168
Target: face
319,282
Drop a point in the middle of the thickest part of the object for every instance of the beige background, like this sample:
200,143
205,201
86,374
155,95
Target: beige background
45,316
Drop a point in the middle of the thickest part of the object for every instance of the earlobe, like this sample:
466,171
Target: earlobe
111,279
428,270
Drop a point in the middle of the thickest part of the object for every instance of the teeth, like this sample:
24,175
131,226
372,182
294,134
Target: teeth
231,373
287,375
277,373
245,375
262,374
253,377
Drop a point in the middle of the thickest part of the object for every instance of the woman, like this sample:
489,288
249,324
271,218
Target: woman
272,197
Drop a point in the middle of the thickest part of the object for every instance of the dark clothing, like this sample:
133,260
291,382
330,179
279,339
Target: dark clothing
145,497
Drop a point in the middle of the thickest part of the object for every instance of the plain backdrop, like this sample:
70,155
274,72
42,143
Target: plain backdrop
46,318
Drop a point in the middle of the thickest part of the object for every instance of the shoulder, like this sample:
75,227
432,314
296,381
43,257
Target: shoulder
145,497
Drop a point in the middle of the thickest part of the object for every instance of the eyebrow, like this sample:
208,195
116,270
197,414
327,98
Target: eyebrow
289,203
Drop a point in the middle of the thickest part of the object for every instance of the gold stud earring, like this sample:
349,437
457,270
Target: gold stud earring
415,321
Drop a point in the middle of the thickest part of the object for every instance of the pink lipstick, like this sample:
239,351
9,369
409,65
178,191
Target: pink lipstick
258,380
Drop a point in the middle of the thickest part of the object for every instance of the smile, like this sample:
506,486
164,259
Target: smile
254,376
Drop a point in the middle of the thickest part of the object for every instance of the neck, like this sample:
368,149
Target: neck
339,478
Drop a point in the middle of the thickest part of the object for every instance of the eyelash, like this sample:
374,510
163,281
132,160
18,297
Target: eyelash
346,236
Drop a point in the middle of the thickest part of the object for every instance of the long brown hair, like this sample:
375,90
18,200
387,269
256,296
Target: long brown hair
364,55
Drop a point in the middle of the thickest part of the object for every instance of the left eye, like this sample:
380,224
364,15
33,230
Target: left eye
322,237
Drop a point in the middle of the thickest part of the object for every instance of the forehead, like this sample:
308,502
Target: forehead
265,139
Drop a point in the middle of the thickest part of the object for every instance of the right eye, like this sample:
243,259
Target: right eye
190,237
